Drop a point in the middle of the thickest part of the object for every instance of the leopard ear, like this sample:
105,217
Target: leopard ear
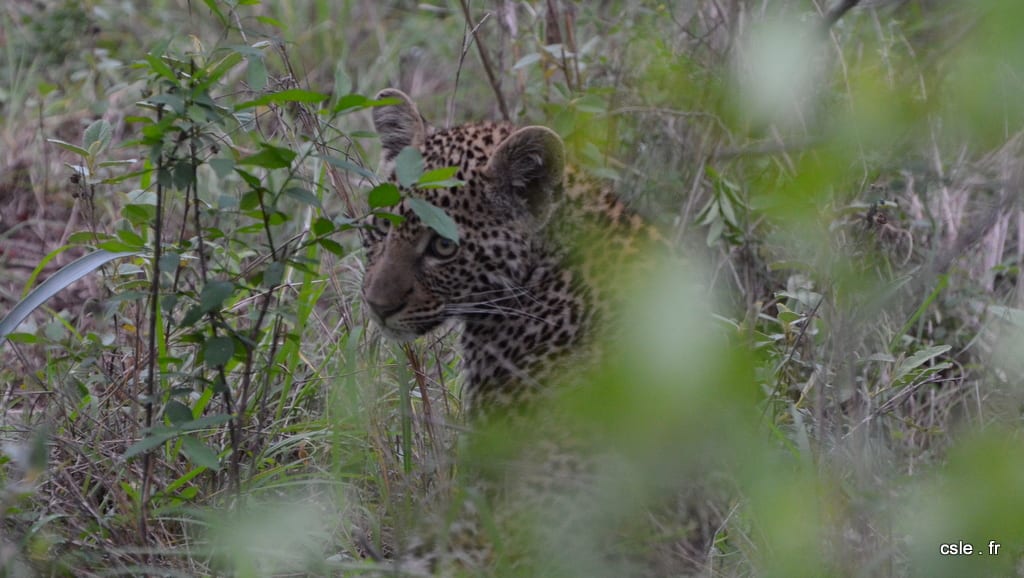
399,125
529,165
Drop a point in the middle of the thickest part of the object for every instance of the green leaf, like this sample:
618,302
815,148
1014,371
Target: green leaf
526,60
441,174
183,174
212,5
60,280
270,21
205,422
149,442
789,317
332,246
217,351
395,220
439,178
118,163
213,295
250,179
434,218
172,101
591,103
351,167
131,238
177,412
44,88
384,195
290,95
273,274
408,166
256,73
160,67
85,237
199,453
342,81
270,157
97,132
350,103
222,167
214,73
353,102
139,214
304,196
322,226
118,247
919,358
69,147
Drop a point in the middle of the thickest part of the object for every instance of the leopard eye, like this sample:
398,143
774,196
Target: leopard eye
381,225
442,247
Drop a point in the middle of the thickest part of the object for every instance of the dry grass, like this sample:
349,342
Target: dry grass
881,337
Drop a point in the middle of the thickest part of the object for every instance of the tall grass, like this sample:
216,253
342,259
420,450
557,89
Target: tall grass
837,356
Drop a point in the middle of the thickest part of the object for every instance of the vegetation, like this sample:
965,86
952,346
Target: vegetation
842,338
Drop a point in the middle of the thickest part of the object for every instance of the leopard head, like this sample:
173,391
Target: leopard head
415,278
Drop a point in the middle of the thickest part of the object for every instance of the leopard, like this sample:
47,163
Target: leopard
523,278
536,279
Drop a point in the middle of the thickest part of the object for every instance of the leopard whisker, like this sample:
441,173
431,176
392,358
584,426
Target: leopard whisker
491,309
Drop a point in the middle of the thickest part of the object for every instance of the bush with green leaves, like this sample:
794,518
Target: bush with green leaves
850,198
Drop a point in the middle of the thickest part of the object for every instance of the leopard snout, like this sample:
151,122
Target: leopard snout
385,308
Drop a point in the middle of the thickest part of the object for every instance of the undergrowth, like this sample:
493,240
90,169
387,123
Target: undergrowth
215,402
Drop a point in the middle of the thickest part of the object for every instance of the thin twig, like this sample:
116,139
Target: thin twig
670,112
314,128
808,320
421,382
767,148
466,41
486,60
154,314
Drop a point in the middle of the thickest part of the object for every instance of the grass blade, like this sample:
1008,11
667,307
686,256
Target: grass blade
60,280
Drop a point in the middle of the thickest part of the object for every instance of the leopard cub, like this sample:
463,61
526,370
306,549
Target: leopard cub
535,280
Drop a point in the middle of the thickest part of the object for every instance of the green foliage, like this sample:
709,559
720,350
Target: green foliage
217,406
434,218
57,282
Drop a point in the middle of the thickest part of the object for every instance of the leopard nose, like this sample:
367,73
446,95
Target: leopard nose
383,309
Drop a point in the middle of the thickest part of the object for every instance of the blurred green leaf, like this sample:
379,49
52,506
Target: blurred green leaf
384,195
273,274
434,218
270,157
148,443
439,178
408,166
304,196
199,453
351,167
157,65
322,226
332,246
526,60
215,9
284,96
97,133
214,294
69,147
256,73
177,413
217,351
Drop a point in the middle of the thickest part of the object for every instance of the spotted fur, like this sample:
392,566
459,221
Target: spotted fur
529,278
536,281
